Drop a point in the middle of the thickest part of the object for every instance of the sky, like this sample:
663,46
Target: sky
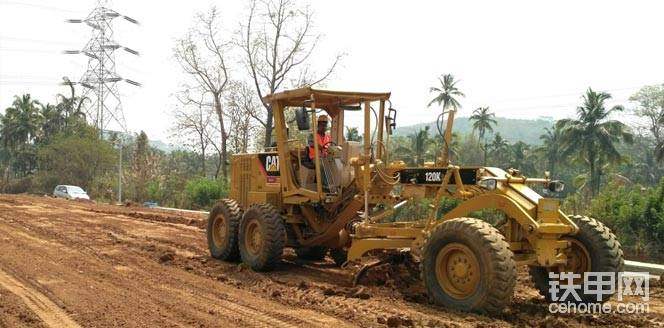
523,59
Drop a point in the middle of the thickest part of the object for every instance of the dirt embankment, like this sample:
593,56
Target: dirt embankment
65,263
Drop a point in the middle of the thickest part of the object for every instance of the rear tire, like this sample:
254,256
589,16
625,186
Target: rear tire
222,229
314,253
262,237
467,265
604,254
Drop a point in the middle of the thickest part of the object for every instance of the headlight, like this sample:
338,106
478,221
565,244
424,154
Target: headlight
556,186
488,183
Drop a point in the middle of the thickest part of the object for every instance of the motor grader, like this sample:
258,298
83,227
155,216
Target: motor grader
340,202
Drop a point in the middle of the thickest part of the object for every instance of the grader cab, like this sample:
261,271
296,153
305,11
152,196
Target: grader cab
339,200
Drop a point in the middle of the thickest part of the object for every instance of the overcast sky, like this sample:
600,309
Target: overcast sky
521,58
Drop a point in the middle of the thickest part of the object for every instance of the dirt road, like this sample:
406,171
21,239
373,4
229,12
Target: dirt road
68,264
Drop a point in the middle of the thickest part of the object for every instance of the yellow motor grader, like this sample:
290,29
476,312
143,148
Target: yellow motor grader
339,202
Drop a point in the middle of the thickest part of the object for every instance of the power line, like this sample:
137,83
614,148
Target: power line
33,5
4,37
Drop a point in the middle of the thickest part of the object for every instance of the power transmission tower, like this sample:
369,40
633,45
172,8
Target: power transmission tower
104,105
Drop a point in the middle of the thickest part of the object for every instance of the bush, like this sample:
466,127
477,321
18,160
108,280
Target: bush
203,192
636,215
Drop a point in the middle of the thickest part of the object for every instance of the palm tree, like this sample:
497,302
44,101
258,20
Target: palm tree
521,158
21,122
551,147
499,149
592,137
71,106
417,149
54,121
483,121
352,134
446,93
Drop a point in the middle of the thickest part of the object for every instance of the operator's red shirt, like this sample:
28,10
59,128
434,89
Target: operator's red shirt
322,141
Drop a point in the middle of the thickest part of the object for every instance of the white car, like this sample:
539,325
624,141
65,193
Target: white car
70,192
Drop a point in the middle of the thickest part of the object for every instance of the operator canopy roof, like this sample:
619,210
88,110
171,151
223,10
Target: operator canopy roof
324,98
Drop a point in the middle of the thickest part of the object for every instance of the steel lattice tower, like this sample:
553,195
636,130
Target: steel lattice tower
104,104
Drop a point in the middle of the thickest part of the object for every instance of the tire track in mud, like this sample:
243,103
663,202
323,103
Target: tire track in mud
218,302
207,292
42,306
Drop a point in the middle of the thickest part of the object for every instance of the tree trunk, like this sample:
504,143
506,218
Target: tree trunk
268,128
485,149
222,128
592,177
201,138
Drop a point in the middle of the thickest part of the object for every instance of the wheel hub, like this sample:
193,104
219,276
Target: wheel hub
457,270
219,230
254,238
578,258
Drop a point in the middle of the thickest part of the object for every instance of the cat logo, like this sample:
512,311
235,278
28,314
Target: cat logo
272,163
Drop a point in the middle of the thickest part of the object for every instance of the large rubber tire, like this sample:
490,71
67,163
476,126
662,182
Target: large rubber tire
491,273
606,255
262,237
315,253
222,230
339,255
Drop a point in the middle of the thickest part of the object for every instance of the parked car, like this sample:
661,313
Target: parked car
70,192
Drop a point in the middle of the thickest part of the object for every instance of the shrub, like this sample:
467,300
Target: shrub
203,192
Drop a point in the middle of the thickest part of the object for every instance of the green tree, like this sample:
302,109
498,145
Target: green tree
551,147
418,147
499,150
483,121
21,126
520,157
141,166
447,93
352,134
651,107
592,136
21,122
78,158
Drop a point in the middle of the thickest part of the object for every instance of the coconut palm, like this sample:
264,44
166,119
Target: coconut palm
482,122
446,93
499,150
521,157
70,106
417,149
352,134
551,147
21,122
592,136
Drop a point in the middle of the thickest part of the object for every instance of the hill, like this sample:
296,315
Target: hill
526,130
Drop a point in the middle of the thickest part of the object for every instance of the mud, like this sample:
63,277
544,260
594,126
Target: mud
117,266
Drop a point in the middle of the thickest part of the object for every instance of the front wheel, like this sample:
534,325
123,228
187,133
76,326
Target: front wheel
262,237
467,265
593,249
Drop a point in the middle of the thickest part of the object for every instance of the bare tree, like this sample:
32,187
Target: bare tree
202,54
277,43
194,122
242,104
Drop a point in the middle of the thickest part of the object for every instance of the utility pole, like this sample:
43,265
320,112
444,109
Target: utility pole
100,79
120,172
